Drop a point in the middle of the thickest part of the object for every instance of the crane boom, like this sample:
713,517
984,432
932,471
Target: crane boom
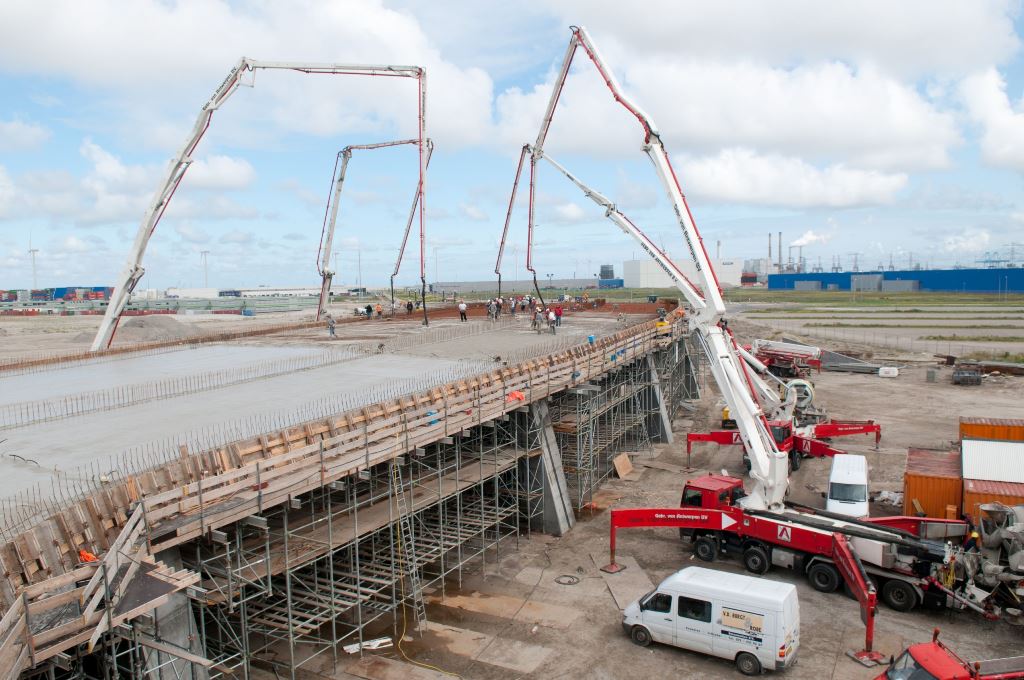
769,466
176,169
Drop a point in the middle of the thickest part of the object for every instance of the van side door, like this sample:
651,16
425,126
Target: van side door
693,624
659,618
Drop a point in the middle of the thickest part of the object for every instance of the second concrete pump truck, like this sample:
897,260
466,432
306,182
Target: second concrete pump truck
911,560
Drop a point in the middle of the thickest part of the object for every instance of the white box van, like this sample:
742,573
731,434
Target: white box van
848,486
752,621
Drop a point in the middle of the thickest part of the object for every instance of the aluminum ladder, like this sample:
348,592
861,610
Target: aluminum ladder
407,546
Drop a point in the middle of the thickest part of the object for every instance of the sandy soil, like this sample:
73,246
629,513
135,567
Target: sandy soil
913,412
904,330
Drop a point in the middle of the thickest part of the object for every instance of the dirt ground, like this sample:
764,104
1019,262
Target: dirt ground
513,619
517,616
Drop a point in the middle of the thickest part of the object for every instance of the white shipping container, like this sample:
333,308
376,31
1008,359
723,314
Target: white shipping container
994,461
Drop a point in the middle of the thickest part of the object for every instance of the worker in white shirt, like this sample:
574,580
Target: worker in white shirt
462,310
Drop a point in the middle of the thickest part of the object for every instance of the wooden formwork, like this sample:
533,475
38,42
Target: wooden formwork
203,491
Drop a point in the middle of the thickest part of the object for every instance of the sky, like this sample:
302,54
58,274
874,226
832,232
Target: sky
867,129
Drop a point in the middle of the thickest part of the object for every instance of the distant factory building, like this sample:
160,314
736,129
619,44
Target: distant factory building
1001,280
649,274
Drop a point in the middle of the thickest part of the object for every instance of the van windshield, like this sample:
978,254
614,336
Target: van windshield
847,493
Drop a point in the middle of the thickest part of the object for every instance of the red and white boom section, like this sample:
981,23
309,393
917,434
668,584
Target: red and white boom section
177,168
737,383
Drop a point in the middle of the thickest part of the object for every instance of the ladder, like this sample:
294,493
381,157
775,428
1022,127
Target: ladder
407,546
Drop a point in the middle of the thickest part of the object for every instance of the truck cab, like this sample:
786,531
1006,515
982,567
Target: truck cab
712,492
935,661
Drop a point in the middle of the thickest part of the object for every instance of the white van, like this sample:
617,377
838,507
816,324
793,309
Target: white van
848,486
752,621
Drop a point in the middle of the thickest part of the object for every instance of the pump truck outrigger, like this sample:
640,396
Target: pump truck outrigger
909,558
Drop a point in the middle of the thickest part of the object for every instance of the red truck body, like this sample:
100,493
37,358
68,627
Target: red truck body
798,446
942,663
804,540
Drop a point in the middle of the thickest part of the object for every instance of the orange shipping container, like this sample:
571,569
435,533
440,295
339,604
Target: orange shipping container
978,492
1005,429
933,480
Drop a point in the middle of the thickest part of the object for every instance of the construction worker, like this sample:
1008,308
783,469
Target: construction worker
552,320
369,311
408,308
558,315
330,326
380,311
973,542
462,310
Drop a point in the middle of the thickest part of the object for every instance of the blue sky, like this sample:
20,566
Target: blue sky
876,128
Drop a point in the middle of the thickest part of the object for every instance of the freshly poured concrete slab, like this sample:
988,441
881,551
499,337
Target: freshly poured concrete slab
64,445
625,586
513,655
99,375
515,608
380,668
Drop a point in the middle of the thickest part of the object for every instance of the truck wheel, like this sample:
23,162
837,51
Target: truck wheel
706,548
755,559
899,595
823,577
748,664
640,636
795,459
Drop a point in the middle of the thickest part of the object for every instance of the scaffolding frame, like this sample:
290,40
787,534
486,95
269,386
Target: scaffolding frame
294,582
596,422
464,497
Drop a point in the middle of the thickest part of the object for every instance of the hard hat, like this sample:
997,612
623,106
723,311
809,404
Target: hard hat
974,534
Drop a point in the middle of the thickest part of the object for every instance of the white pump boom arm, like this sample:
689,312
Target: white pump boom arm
133,270
331,216
769,466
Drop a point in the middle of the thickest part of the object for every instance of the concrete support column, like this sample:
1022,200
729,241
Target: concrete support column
558,512
174,624
661,428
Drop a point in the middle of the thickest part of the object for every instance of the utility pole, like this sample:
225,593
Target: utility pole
359,267
206,268
32,253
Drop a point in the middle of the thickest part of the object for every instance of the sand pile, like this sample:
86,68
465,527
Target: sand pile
154,328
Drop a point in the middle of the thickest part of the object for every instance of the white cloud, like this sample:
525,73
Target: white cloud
220,172
472,211
971,240
17,135
191,234
569,212
61,37
824,111
7,192
237,237
910,38
1002,124
73,244
741,176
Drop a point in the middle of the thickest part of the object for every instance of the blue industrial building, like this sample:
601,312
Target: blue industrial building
1004,280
